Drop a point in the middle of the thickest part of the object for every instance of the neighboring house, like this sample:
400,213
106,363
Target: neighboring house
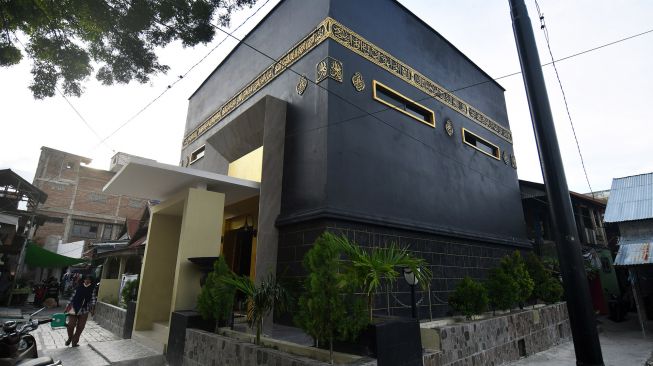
594,239
630,209
77,209
353,130
18,221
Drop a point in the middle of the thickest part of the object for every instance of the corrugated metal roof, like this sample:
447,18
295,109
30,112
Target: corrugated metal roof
631,198
634,254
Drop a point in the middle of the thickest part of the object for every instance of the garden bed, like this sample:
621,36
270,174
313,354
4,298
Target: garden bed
495,340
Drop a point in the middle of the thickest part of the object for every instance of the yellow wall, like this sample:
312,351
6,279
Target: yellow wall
249,166
157,275
108,291
200,237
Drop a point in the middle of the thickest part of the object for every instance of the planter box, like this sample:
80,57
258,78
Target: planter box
392,341
497,340
179,322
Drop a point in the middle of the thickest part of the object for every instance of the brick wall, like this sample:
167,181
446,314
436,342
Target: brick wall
450,259
75,193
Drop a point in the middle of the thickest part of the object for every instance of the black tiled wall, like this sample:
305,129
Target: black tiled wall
450,259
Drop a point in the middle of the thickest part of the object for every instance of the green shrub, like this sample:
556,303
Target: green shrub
503,290
547,288
129,292
216,300
551,291
327,310
470,298
514,266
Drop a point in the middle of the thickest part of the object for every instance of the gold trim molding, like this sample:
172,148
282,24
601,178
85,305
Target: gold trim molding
330,28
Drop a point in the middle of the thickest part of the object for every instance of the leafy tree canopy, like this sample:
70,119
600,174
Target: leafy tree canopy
67,39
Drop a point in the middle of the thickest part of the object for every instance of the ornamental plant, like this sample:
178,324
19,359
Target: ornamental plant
327,310
129,292
470,298
216,300
515,267
369,268
547,288
502,290
261,299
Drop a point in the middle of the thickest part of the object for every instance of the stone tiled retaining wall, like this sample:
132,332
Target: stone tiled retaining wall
204,348
498,340
110,317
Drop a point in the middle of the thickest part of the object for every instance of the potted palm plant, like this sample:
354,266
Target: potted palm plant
261,299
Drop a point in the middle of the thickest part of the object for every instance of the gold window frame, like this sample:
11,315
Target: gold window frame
193,155
498,150
406,100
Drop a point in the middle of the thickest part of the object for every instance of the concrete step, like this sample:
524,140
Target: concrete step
151,339
128,352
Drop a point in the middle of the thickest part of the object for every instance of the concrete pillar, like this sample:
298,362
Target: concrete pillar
121,268
201,229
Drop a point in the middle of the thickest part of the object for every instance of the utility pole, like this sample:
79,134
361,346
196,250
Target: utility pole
577,294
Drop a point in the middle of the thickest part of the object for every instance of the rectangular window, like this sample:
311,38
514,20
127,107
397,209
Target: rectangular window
107,232
197,154
135,203
54,220
403,104
85,229
97,197
481,144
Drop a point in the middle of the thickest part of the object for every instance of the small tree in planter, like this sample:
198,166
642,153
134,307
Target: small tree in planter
370,267
515,267
129,292
502,290
470,298
261,299
326,309
216,300
547,288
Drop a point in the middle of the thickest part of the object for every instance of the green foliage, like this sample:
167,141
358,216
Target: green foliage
216,300
326,309
470,298
551,291
547,288
369,268
64,38
261,298
503,290
129,292
515,267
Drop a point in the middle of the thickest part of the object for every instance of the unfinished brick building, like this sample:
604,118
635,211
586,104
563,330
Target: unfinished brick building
76,207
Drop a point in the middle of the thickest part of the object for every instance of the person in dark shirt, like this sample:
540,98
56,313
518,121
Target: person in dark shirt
81,304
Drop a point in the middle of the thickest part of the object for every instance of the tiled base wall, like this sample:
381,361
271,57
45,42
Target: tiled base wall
498,340
110,317
450,259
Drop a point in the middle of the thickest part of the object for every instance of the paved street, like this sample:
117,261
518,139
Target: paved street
622,345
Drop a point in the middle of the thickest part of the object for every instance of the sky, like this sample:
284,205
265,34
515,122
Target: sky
607,90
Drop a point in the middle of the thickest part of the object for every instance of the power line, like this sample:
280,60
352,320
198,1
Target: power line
564,96
72,106
180,77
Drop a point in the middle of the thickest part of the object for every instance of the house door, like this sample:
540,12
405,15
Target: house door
237,250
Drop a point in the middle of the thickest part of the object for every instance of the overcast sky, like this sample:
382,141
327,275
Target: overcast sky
608,91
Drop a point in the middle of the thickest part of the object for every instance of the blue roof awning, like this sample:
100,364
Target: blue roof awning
634,254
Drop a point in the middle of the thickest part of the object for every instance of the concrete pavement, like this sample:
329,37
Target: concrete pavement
622,345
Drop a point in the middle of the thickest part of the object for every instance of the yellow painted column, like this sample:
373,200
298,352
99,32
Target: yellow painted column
201,229
157,273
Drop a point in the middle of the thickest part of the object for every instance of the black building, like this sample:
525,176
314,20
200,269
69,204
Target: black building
360,135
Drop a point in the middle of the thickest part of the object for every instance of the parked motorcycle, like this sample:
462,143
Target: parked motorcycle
18,347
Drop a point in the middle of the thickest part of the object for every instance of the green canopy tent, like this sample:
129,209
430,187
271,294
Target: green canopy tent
35,256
